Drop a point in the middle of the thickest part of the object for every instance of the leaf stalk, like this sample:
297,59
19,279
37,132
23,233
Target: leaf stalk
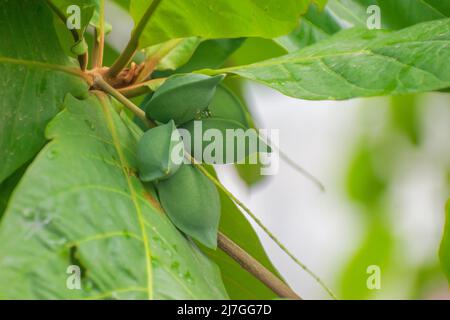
125,57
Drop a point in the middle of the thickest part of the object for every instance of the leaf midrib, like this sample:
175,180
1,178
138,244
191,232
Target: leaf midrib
44,65
141,220
294,59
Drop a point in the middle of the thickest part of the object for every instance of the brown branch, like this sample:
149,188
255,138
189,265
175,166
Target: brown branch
106,87
255,268
125,57
99,39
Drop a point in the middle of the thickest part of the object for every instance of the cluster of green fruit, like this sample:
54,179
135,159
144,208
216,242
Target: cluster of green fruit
188,197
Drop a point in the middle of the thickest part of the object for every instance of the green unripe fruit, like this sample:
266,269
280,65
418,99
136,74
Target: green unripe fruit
160,153
182,98
192,202
223,141
226,105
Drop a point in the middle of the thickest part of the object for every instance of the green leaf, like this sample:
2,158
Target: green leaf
175,53
217,19
211,54
80,203
7,187
255,50
192,203
77,16
240,284
405,117
444,252
250,173
317,25
160,153
394,14
182,98
376,250
314,26
226,105
365,181
218,136
87,9
360,63
36,75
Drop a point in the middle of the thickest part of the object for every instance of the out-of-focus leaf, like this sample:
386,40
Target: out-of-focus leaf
124,4
365,184
360,63
374,255
428,280
100,219
405,117
211,54
394,14
314,26
250,173
317,25
175,52
35,77
217,19
226,105
444,252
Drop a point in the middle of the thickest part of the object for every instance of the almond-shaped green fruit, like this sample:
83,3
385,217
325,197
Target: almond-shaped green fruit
160,153
192,203
182,98
221,141
227,105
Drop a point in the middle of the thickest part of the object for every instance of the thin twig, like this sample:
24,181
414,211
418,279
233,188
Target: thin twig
142,88
125,57
254,267
102,84
99,41
152,62
263,227
297,167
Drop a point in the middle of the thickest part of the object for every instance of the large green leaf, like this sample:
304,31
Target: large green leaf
406,117
317,25
217,19
80,203
7,187
35,77
360,63
444,252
